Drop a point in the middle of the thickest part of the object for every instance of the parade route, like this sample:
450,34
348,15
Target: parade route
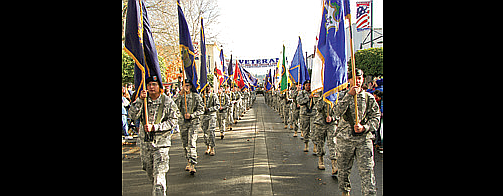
258,157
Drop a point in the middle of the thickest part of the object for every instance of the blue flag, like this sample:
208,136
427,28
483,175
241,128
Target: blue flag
203,82
186,48
140,45
268,82
298,69
331,49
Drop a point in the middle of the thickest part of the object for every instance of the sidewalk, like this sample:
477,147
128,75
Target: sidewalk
258,157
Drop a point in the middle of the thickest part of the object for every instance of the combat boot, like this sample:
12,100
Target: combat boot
315,150
344,193
192,168
295,134
212,151
207,150
334,167
306,148
187,168
321,165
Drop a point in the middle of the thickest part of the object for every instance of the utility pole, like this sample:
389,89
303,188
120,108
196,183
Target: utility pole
372,24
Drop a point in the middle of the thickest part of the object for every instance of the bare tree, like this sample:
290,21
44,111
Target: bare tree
163,16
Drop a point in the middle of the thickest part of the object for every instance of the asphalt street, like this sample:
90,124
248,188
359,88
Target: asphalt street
258,157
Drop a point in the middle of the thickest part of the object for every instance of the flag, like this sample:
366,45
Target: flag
238,78
203,82
230,73
268,83
140,45
362,16
222,77
330,63
298,69
186,48
284,82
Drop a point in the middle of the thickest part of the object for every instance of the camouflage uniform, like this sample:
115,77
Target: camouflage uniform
295,111
154,153
324,130
350,145
306,114
210,118
222,114
190,127
230,111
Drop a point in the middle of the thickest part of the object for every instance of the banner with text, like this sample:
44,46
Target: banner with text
258,63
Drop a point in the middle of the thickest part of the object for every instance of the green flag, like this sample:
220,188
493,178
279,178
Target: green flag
284,80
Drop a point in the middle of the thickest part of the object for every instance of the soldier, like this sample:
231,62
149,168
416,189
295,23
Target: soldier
354,139
230,111
295,109
211,106
191,108
325,129
155,137
305,100
222,111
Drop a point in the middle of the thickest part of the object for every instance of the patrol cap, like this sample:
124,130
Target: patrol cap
358,71
154,79
307,81
187,81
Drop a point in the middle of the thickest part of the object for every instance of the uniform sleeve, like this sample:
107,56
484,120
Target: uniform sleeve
302,99
170,118
199,106
373,115
216,104
134,110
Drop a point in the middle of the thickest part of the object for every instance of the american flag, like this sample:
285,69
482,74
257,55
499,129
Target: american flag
363,16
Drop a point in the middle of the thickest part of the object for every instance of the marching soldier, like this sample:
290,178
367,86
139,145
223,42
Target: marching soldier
305,100
354,139
211,106
222,111
230,110
325,130
295,109
155,137
191,108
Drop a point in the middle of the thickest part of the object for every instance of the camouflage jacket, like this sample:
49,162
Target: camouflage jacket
169,118
322,108
368,115
195,106
306,107
225,101
212,104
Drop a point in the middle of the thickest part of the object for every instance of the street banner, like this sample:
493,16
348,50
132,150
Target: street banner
362,16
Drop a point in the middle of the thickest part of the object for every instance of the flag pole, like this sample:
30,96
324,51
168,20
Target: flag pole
353,67
145,63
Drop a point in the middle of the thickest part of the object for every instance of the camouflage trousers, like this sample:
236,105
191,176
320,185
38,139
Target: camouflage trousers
285,113
306,126
325,132
230,115
208,126
362,150
222,120
155,161
188,132
294,119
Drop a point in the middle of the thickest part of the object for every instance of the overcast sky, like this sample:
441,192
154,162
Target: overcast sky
256,29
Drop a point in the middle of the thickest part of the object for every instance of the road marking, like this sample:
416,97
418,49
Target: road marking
261,179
